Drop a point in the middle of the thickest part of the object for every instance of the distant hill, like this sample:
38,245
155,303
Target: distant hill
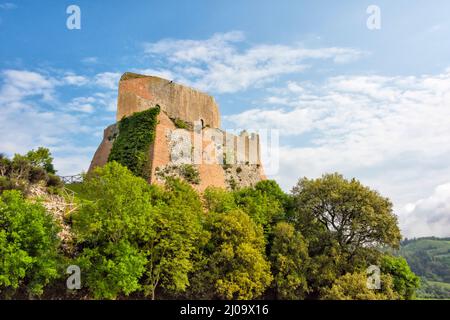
429,258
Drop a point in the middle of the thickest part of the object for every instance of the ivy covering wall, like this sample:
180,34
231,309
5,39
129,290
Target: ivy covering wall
132,145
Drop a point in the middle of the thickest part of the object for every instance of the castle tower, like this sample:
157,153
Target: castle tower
188,142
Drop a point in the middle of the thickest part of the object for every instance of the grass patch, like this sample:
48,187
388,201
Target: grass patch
131,75
76,188
181,124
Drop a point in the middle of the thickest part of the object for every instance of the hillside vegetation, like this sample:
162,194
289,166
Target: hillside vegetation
430,259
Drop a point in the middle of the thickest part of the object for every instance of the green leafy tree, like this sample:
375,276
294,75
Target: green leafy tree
112,269
235,266
177,232
345,223
405,281
22,170
135,237
272,189
113,218
357,216
219,200
20,167
29,244
263,203
327,262
290,262
5,165
41,158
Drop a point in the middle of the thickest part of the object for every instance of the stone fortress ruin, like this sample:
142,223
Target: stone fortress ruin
188,142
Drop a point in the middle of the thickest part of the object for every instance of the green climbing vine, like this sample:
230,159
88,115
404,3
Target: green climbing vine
136,134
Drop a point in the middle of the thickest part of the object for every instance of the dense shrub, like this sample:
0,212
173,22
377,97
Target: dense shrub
5,165
219,200
54,181
190,173
5,184
28,245
38,174
22,170
405,281
353,286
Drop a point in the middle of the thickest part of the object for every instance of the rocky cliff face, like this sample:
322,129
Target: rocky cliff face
214,157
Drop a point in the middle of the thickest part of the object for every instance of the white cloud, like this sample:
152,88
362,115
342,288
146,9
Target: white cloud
195,51
289,122
219,64
108,100
103,97
393,133
31,115
28,127
83,104
108,80
20,84
75,80
73,164
429,216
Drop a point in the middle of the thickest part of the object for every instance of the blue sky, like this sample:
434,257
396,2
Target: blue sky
371,104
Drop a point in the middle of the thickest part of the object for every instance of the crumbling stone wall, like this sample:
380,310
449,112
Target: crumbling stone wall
242,175
163,162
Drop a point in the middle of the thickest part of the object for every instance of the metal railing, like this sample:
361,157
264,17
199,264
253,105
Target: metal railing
71,179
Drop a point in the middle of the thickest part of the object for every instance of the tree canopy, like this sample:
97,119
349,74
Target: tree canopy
29,256
356,215
133,239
